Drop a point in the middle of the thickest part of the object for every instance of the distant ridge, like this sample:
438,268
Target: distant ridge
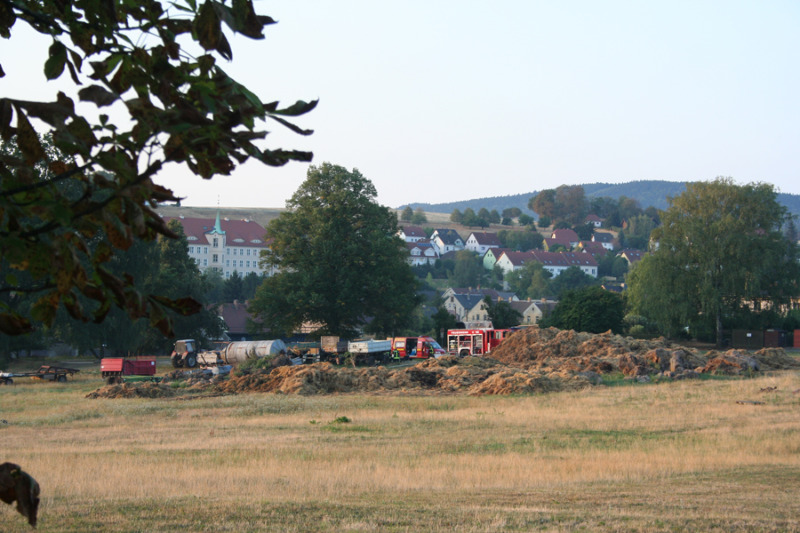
646,192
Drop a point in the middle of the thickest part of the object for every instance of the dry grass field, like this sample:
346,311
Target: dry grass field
680,456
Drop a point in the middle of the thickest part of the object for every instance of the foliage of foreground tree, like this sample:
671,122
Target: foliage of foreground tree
341,261
719,247
590,309
131,60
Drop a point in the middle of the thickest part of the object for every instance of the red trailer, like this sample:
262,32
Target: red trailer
474,341
114,368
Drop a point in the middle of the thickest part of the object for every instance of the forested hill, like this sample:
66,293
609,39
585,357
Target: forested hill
647,193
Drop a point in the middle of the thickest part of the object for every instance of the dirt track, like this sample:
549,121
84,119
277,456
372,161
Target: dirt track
529,361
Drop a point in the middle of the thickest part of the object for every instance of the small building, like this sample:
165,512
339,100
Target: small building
533,311
446,240
479,242
604,238
594,220
632,256
492,255
411,233
421,253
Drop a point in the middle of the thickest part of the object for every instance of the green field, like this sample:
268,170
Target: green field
711,455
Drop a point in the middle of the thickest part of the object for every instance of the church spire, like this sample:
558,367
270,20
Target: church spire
217,226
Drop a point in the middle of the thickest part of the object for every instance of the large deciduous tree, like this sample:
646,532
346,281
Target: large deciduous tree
341,262
142,89
565,203
590,309
719,248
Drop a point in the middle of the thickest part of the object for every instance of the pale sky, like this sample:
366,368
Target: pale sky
440,100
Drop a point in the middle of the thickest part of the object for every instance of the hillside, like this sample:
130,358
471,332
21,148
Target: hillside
646,192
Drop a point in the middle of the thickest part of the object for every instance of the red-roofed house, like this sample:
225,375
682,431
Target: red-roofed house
411,233
564,237
632,256
479,242
227,245
421,253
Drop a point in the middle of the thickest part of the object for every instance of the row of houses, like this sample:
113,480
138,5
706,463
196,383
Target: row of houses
572,250
468,305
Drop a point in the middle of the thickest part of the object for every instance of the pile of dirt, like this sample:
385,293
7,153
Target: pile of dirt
136,390
529,361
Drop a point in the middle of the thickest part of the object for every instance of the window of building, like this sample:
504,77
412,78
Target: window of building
205,262
241,264
215,258
234,251
215,242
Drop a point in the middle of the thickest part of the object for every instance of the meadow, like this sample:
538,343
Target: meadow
710,455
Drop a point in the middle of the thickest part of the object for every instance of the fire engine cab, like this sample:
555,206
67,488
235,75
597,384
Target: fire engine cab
474,341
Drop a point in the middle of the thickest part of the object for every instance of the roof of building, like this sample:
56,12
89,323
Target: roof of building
517,258
235,316
601,236
565,234
486,238
593,218
237,232
482,292
594,248
632,255
564,259
448,236
413,231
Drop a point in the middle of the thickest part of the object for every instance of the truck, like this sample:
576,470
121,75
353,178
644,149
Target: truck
479,341
187,353
423,347
114,369
364,351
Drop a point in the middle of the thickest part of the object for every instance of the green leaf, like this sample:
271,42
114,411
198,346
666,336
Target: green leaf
54,65
97,94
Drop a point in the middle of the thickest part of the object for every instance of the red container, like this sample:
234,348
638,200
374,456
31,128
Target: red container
797,338
141,366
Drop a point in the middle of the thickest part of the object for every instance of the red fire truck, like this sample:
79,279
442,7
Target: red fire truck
474,341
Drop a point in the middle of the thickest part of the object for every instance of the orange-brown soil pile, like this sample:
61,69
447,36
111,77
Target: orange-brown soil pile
529,361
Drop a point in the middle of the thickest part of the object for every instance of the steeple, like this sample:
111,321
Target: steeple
217,226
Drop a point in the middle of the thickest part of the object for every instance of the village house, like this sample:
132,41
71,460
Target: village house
235,316
421,252
463,303
632,256
533,311
510,261
479,242
597,250
565,238
594,220
226,245
411,233
604,238
446,240
553,262
492,255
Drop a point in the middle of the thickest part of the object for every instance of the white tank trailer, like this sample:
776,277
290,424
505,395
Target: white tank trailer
235,353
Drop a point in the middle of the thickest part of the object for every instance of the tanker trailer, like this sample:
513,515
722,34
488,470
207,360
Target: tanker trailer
239,352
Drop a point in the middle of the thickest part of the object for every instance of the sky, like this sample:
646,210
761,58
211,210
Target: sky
442,100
